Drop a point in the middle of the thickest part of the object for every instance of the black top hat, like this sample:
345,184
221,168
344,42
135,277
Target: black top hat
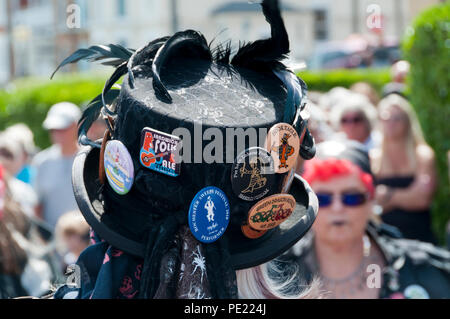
180,83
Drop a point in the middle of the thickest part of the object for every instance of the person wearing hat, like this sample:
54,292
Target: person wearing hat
183,191
352,254
54,165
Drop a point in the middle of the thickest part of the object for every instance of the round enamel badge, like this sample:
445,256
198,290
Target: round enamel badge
209,215
271,212
283,143
118,167
252,233
416,292
253,175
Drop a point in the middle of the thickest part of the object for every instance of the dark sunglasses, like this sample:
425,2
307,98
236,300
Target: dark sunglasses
352,120
351,199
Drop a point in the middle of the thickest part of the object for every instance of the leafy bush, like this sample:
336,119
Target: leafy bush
326,80
28,101
427,47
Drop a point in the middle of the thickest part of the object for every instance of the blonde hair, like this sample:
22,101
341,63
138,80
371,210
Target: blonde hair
275,280
72,223
414,136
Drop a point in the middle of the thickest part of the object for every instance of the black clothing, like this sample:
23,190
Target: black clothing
412,224
10,287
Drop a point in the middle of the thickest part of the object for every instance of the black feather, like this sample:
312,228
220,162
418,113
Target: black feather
113,53
188,43
144,55
92,111
263,55
221,53
118,73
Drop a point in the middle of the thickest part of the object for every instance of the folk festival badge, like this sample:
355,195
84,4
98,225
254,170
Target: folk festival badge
253,174
209,215
283,143
159,152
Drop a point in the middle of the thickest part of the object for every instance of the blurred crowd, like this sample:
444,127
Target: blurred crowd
42,232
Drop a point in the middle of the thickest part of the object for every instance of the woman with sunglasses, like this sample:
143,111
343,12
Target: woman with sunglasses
355,117
404,167
353,256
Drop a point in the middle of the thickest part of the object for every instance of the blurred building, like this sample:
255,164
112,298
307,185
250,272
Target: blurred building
42,32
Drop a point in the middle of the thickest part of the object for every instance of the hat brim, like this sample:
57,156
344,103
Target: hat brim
245,253
53,123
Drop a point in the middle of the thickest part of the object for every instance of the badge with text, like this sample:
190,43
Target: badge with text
253,175
118,167
252,233
209,215
160,152
271,212
283,143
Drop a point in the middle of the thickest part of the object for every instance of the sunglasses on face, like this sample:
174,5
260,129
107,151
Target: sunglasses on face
350,199
352,120
393,118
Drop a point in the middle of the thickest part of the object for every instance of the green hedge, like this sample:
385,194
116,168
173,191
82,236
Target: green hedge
428,50
326,80
29,100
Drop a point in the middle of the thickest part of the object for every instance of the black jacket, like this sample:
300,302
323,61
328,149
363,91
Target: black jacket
413,268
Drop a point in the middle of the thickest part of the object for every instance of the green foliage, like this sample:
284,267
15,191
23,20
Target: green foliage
326,80
28,101
427,48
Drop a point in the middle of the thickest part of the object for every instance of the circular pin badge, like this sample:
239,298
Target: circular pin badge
271,212
416,292
252,233
283,143
118,167
253,175
209,215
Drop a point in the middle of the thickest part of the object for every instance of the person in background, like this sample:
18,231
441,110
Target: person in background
318,123
404,167
24,137
399,74
353,256
72,234
97,130
54,165
25,262
367,90
11,158
355,116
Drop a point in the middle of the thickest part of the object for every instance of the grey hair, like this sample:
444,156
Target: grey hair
276,280
354,103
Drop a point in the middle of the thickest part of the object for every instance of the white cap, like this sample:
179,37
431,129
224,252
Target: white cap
61,116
